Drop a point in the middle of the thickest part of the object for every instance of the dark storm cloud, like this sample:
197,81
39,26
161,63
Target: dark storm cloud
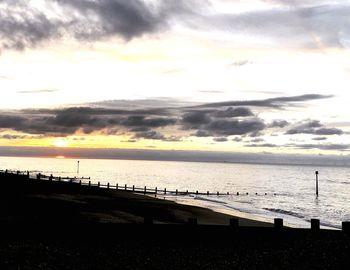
269,103
313,127
23,24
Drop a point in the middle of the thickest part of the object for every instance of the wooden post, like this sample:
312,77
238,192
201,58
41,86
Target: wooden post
207,193
28,174
78,167
98,184
176,192
197,192
89,183
346,226
315,224
107,185
192,221
80,182
234,222
126,187
186,192
218,193
156,190
316,173
59,179
133,187
164,191
116,186
50,178
278,223
148,221
145,190
38,176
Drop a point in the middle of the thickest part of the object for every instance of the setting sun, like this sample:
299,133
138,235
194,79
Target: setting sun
61,143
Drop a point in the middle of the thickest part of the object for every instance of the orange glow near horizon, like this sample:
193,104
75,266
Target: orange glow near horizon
60,157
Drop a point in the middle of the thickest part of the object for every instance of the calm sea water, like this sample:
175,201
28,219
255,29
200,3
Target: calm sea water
293,185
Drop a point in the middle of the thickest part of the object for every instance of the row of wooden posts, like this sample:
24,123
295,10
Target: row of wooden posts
278,223
141,190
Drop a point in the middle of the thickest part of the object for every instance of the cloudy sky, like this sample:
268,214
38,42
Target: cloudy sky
218,75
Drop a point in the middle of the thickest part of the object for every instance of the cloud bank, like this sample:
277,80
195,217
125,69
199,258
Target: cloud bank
222,121
317,24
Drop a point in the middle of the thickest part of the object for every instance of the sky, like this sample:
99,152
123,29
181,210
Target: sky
252,76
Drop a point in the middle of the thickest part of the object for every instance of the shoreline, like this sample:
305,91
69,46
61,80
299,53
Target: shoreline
43,200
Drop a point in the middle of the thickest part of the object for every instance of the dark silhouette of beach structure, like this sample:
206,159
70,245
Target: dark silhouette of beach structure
48,224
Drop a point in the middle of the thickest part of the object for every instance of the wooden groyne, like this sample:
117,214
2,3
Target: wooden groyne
86,181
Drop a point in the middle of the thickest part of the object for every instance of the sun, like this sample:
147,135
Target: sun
61,143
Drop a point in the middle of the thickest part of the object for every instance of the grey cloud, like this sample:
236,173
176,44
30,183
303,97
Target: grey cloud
311,26
234,112
210,91
23,24
194,119
271,102
8,121
37,91
313,127
234,127
220,139
239,63
278,123
155,135
146,121
151,134
319,138
267,145
18,137
201,133
340,147
142,121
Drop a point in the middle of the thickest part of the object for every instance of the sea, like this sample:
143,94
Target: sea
266,191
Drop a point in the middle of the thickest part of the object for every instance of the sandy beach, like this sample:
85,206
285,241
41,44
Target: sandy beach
63,202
